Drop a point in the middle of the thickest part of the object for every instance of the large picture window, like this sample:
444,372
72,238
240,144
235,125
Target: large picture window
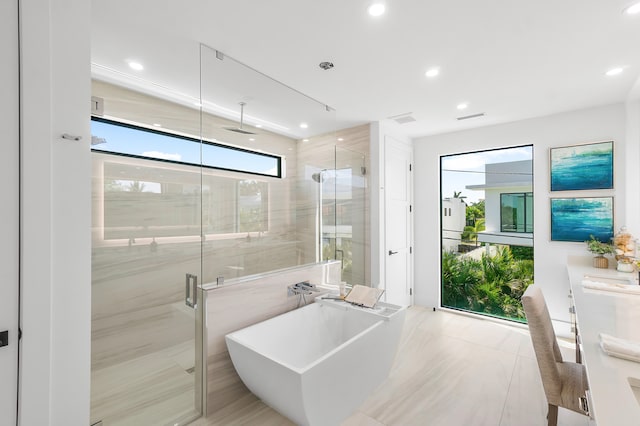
486,210
516,212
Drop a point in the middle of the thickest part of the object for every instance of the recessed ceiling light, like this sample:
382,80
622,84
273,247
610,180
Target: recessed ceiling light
304,125
252,139
305,140
376,9
136,65
462,106
634,9
340,139
432,72
614,71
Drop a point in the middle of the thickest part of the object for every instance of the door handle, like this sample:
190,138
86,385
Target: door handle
191,291
392,252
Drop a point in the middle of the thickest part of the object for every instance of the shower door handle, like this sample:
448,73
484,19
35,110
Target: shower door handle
392,252
191,290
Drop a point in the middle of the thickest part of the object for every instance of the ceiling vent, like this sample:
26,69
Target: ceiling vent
466,117
403,118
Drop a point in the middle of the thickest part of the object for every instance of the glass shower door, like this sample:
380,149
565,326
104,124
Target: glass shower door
146,261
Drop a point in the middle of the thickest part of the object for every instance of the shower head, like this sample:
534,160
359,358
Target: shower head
240,129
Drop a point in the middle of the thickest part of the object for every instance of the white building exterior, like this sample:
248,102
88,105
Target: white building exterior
454,211
506,182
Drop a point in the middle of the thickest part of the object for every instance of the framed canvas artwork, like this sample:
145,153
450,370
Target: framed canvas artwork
576,219
582,167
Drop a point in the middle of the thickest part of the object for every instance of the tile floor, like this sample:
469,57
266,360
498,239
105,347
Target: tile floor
450,370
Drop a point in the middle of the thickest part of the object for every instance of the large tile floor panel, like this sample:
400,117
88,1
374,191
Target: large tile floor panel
450,370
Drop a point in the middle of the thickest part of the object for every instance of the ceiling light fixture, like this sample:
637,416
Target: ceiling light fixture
614,71
304,125
376,9
463,106
305,140
634,9
135,65
432,72
252,139
340,139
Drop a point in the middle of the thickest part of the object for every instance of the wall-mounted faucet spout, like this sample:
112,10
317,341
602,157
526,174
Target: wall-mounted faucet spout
301,289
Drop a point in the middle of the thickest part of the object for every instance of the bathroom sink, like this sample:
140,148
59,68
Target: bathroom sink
609,280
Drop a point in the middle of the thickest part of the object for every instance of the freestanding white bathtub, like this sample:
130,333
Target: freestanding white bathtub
316,365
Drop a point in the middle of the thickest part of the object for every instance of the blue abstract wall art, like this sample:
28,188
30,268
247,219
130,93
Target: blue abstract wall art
581,167
576,219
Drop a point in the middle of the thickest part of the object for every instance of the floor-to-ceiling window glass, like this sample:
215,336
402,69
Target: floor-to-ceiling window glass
486,210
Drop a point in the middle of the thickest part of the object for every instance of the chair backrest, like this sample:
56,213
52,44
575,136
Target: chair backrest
544,342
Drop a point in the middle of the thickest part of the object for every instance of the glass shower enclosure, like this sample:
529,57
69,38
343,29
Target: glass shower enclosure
243,177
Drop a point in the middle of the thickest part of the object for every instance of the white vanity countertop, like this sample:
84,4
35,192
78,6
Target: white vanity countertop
618,314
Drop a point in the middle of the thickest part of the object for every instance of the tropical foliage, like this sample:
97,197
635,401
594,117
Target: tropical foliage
470,233
492,285
474,212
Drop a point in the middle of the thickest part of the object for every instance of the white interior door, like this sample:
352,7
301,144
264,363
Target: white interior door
397,206
9,225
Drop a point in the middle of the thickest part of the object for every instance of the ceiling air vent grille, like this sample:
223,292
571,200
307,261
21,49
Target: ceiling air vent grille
403,118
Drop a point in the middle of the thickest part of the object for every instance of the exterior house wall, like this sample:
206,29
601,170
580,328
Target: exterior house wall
453,222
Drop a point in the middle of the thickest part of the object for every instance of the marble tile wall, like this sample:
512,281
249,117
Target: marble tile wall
343,149
143,244
243,302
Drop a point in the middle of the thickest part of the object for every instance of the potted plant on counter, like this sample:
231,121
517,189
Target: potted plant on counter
600,249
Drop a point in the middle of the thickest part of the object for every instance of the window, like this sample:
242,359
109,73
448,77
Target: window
124,139
516,212
154,186
487,246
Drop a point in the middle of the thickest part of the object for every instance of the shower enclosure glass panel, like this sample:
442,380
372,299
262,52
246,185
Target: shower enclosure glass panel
351,235
146,323
343,214
258,223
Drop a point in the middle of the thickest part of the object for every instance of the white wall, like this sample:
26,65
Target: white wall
56,213
9,209
632,175
590,125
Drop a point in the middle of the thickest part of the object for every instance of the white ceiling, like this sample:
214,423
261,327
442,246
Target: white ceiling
510,59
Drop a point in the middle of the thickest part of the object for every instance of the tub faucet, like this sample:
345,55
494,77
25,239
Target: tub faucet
301,289
304,288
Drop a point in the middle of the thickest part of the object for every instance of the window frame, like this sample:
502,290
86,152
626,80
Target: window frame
524,194
278,158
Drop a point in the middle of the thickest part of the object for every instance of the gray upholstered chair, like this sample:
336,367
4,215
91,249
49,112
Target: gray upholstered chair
565,383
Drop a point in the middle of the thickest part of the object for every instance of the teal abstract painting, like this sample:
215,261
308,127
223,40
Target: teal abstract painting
582,167
576,219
